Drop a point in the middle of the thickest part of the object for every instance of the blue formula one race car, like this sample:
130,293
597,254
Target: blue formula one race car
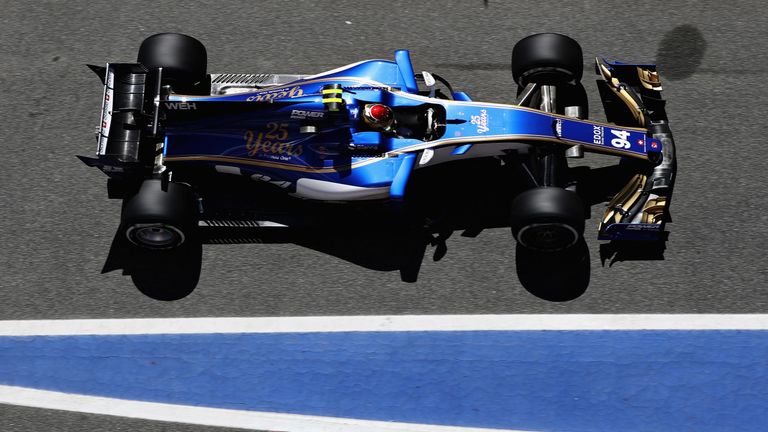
362,133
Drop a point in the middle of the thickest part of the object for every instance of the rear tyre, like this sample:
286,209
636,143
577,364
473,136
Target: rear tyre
183,58
547,58
547,219
160,217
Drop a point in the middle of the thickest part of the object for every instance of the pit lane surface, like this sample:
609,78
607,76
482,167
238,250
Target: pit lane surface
57,224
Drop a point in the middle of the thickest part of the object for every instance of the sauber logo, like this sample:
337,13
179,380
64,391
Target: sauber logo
181,106
481,121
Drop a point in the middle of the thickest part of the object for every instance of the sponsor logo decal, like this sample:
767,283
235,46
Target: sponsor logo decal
368,149
106,114
481,121
271,143
558,128
643,227
598,135
280,93
301,114
181,106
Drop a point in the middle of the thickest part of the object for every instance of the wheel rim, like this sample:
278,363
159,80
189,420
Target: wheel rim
155,236
548,236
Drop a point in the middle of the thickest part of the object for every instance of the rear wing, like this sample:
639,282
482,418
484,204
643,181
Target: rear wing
129,111
128,118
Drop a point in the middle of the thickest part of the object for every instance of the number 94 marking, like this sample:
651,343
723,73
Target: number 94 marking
621,140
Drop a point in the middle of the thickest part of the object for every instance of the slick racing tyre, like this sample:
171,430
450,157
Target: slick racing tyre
158,217
183,58
547,58
547,219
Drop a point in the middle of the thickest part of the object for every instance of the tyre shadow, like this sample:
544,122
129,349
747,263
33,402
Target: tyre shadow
681,52
554,276
161,275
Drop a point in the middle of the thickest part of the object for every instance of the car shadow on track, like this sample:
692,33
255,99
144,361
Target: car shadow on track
382,238
172,275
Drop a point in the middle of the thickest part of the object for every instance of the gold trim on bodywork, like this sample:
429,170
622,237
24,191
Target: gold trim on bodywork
623,201
621,92
653,211
649,79
511,137
287,85
421,146
391,153
516,107
421,98
254,162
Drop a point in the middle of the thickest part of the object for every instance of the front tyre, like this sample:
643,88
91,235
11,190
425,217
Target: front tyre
547,219
547,58
160,216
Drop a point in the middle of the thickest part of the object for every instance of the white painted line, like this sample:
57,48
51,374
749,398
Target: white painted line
254,420
393,323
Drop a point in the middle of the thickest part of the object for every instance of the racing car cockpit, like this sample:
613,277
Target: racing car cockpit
424,122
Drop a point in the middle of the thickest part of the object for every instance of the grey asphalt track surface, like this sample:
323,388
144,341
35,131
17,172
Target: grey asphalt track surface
56,224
